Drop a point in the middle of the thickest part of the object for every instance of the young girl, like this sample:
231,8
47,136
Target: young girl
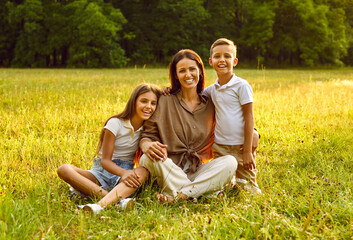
113,168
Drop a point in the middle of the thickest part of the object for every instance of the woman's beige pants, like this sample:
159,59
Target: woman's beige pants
208,178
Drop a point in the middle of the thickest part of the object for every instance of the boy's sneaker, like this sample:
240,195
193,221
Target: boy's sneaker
216,195
246,186
127,203
93,208
253,190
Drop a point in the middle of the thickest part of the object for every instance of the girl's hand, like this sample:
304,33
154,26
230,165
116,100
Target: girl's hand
131,179
155,151
166,91
248,161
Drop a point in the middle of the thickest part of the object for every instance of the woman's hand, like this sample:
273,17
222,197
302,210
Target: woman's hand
131,179
166,91
155,151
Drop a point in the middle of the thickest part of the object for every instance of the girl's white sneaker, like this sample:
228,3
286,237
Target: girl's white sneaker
127,203
94,208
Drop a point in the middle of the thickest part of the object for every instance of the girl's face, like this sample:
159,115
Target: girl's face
187,73
146,104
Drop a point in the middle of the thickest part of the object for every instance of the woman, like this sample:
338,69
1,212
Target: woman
177,139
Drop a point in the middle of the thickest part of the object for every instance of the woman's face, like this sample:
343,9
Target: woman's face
187,73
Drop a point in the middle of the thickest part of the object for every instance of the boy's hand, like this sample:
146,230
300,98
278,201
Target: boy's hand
255,143
166,91
248,161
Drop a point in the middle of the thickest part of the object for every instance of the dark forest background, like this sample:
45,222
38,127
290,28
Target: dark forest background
118,33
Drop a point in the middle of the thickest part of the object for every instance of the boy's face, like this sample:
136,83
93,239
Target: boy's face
223,59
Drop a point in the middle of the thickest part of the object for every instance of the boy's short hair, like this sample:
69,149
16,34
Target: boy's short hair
223,41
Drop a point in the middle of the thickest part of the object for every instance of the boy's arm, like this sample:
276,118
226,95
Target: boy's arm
248,160
255,140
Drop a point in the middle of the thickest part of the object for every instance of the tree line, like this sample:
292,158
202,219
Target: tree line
117,33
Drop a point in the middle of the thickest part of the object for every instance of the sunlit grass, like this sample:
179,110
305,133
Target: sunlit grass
51,117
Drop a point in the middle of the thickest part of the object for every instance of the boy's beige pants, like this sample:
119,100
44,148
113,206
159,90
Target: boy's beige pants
234,150
208,178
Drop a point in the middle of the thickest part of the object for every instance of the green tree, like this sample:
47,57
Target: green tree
101,33
336,43
257,29
347,7
157,29
7,36
57,24
94,34
28,18
308,32
82,33
224,19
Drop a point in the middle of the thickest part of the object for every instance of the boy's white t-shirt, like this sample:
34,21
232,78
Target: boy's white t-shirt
228,100
126,139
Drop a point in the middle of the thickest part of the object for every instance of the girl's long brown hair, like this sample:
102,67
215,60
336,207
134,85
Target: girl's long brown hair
130,107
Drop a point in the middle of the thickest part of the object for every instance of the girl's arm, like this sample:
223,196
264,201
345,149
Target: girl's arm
127,176
150,142
248,160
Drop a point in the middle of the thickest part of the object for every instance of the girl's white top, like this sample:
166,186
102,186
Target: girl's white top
126,139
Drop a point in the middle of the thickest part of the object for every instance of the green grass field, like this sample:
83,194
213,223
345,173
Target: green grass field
51,117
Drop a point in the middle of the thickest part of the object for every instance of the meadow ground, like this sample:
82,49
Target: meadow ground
51,117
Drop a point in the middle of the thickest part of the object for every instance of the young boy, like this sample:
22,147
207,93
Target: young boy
232,97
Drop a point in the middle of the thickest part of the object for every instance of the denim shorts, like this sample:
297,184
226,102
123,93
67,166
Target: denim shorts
106,179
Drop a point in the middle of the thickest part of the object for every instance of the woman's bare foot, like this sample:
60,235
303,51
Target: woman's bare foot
221,195
165,199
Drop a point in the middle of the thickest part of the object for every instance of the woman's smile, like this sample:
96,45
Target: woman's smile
187,73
